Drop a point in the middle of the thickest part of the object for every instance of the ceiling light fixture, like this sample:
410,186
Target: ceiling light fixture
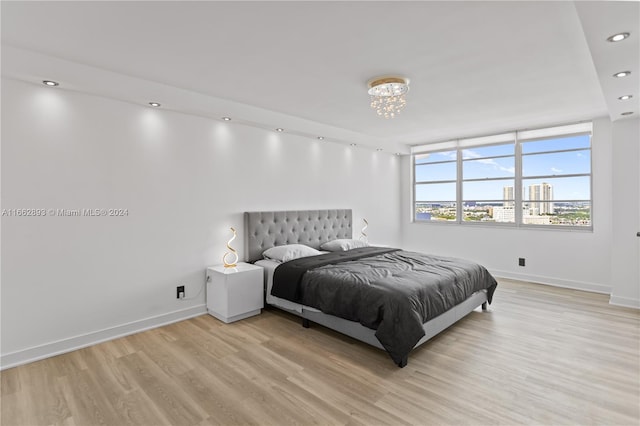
618,37
627,113
279,129
226,118
378,149
352,144
625,97
320,138
388,95
154,104
50,83
622,74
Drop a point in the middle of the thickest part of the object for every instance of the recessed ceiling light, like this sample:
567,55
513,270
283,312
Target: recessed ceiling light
50,83
154,104
622,74
352,144
618,37
378,149
279,129
627,113
226,118
320,138
625,97
398,154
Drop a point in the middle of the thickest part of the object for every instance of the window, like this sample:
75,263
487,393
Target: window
487,175
435,185
528,178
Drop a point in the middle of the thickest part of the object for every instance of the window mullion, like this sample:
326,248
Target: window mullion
428,182
414,214
555,151
517,190
571,175
459,209
488,179
488,158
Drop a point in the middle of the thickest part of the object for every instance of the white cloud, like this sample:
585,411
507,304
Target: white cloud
489,161
470,154
556,170
451,155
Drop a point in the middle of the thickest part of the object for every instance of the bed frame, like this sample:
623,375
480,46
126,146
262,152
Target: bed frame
268,229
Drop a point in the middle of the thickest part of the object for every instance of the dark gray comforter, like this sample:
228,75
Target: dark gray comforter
391,291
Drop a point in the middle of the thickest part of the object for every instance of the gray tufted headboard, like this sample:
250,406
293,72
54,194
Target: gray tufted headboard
264,230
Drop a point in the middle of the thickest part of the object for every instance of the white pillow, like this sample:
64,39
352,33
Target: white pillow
342,245
289,252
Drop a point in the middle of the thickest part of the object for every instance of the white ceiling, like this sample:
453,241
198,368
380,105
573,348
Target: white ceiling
475,67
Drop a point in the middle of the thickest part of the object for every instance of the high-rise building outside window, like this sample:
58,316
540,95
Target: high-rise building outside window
507,194
541,192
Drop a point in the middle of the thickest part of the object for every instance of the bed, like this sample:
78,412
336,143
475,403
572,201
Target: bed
471,285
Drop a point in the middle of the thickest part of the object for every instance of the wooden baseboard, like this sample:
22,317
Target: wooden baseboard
624,301
556,282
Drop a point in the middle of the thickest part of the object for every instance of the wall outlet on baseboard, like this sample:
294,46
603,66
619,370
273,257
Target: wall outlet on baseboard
521,261
180,292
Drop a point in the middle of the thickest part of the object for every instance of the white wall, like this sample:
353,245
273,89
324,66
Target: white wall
72,281
566,258
625,253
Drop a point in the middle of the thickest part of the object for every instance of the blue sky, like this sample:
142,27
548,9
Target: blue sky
535,162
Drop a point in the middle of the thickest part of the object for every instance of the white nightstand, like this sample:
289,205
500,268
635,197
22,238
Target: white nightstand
235,293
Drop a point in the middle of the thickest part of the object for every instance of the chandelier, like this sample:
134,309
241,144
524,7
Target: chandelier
388,95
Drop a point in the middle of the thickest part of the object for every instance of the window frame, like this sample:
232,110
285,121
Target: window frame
462,181
460,145
416,183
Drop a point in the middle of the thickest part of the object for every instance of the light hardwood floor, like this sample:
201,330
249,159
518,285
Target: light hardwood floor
540,355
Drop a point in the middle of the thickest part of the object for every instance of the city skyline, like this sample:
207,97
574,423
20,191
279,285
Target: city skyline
539,197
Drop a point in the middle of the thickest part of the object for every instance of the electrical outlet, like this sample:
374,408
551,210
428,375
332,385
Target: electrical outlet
180,292
521,261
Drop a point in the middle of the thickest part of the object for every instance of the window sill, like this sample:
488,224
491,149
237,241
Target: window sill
561,228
